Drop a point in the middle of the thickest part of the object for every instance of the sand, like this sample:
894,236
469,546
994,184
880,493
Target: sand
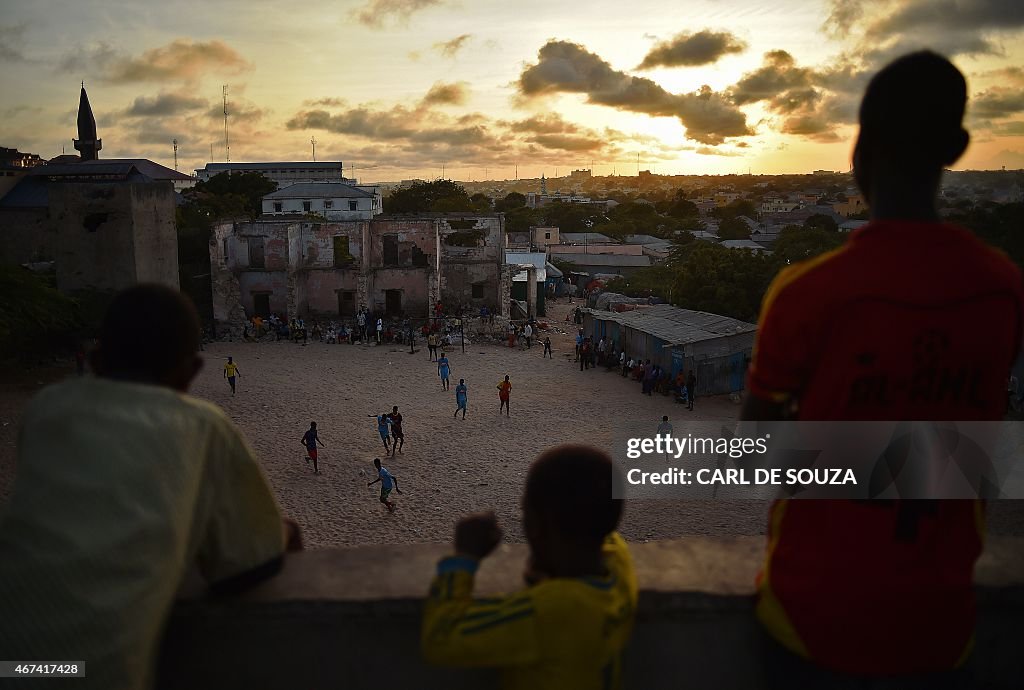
449,467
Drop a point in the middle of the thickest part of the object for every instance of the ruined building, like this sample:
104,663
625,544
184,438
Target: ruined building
105,224
395,265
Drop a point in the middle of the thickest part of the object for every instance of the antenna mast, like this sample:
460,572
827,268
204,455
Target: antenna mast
313,142
175,142
227,144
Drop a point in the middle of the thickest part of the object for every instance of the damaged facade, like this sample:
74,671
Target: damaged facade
394,265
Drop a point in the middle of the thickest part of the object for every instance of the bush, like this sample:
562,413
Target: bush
35,319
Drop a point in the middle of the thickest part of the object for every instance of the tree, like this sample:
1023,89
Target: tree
797,243
481,203
572,217
820,221
512,200
231,195
443,196
521,219
681,208
740,207
734,229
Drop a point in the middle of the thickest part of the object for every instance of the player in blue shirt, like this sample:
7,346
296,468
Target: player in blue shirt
384,429
387,482
461,398
444,370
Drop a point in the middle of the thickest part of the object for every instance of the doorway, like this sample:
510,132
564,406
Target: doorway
393,302
346,303
261,304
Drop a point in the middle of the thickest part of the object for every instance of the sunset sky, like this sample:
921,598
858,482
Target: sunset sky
399,87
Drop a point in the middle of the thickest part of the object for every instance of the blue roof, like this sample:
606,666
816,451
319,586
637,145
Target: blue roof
29,192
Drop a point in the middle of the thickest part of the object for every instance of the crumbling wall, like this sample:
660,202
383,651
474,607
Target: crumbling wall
26,236
463,267
95,239
228,314
154,233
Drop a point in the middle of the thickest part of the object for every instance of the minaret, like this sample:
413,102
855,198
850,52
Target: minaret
87,142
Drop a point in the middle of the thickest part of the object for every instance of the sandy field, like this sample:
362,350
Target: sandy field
449,467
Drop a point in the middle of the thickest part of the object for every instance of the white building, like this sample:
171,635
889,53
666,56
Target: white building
332,200
283,173
774,204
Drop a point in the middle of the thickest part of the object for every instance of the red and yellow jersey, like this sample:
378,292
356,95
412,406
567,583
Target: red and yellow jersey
560,633
907,321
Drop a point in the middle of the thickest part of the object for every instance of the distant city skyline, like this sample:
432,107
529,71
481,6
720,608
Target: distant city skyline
402,88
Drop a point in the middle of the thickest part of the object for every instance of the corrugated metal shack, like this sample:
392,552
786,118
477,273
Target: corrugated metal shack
717,348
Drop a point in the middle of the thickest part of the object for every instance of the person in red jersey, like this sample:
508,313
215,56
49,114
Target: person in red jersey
912,319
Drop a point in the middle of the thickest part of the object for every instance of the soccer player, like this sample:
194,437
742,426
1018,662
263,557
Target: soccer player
309,440
397,434
443,370
665,428
504,392
388,482
432,346
547,348
230,372
881,329
125,484
461,398
568,628
384,429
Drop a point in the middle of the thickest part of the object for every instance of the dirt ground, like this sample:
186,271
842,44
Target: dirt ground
448,467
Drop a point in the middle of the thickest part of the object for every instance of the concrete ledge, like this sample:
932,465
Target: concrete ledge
349,618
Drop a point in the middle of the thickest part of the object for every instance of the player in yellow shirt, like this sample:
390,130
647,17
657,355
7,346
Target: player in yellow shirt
568,628
230,372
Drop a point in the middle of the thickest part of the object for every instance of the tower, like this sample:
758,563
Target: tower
87,142
543,184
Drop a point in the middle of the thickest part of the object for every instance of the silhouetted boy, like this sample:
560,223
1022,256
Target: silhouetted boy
124,484
567,629
871,331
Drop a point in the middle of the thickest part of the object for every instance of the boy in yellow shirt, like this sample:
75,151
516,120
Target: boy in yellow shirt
568,628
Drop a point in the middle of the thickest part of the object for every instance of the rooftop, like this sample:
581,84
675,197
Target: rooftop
610,260
582,237
677,326
280,165
119,167
320,190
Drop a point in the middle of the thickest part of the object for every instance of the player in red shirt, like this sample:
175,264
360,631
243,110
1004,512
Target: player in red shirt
912,319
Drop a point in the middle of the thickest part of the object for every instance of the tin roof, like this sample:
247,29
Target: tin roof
677,326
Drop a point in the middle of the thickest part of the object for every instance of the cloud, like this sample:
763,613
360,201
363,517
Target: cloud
12,42
843,16
550,123
777,76
956,15
422,136
812,102
712,151
692,49
565,67
456,93
1009,129
376,13
165,104
180,60
329,102
450,49
568,142
997,103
